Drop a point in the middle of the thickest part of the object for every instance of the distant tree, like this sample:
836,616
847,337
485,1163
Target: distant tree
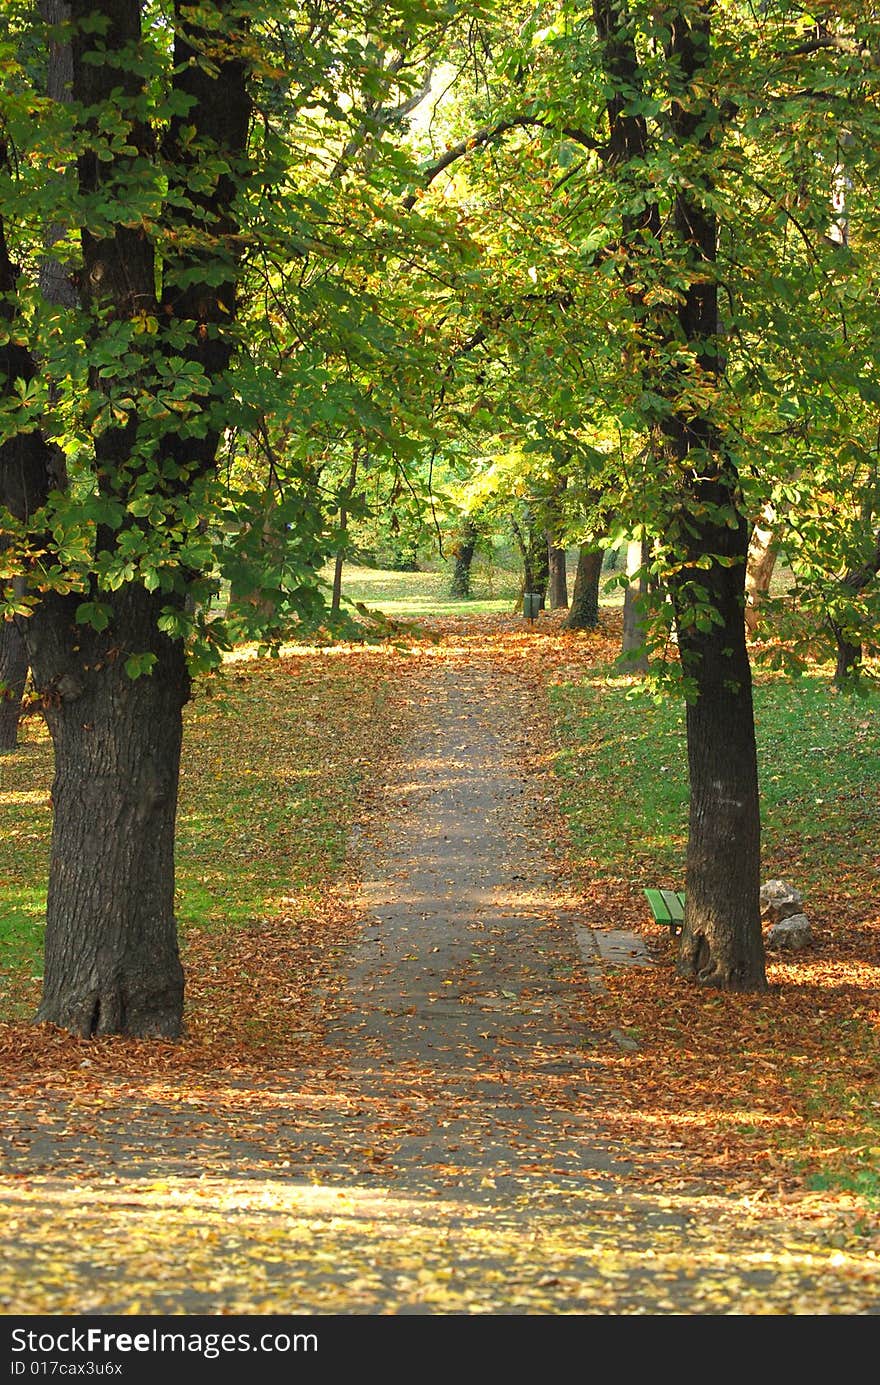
584,610
463,548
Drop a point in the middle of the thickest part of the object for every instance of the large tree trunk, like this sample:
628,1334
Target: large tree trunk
13,676
112,963
721,941
584,611
556,557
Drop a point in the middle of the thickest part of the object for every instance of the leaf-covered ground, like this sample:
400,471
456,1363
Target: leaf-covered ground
652,1149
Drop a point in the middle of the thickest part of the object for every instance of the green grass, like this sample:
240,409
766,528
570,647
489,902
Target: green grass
495,585
26,818
413,594
864,1182
819,766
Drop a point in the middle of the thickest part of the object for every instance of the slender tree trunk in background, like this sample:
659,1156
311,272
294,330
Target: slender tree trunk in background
336,598
761,560
584,611
557,577
849,649
534,561
849,658
339,563
632,643
243,600
13,676
526,585
539,561
556,558
465,547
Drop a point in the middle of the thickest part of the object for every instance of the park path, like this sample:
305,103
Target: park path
471,959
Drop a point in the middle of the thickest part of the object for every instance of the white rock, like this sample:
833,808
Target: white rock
779,900
790,934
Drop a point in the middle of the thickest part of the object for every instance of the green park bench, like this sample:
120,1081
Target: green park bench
667,906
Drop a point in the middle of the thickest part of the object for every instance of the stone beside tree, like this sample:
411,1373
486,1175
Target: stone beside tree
782,908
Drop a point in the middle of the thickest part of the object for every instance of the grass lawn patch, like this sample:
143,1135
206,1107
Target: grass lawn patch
819,767
409,595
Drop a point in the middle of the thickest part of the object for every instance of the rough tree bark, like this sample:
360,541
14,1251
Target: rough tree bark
112,962
721,942
584,611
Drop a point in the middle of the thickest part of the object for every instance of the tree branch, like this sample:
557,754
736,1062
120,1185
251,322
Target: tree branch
822,42
487,134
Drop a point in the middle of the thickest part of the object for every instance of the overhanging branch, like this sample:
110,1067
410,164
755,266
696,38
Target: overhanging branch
487,134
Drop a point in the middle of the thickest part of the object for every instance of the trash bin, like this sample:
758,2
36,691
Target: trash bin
531,604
